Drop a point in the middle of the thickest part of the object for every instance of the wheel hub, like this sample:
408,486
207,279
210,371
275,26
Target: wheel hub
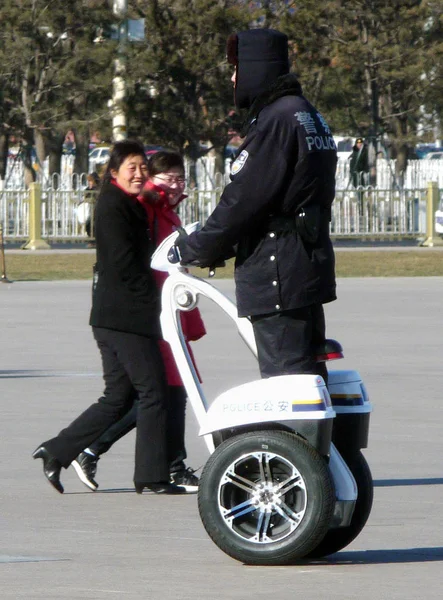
262,497
265,497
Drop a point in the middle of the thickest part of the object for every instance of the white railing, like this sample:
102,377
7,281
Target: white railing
14,213
59,217
365,212
416,176
386,209
369,212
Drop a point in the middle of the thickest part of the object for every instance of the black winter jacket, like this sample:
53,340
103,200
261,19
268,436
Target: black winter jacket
287,162
125,296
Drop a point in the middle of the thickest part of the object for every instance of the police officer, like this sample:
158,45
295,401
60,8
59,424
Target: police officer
276,210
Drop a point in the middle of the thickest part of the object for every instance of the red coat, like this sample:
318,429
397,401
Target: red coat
163,220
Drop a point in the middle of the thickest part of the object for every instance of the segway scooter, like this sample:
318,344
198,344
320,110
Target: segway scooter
286,479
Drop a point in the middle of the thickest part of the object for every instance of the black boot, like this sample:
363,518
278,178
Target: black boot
51,467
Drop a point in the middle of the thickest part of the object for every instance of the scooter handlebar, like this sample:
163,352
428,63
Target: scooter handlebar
174,255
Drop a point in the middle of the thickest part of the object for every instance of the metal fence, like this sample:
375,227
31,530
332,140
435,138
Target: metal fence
417,175
204,172
59,215
14,213
362,213
198,205
385,208
376,213
59,222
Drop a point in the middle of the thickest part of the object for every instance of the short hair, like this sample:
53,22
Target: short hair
164,160
94,176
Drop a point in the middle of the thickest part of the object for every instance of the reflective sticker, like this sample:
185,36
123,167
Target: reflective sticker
239,162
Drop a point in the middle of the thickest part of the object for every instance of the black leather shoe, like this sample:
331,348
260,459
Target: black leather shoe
51,467
159,488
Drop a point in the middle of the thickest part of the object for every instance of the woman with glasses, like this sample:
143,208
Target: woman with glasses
160,198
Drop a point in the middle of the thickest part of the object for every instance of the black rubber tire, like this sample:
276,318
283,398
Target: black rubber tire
337,539
312,500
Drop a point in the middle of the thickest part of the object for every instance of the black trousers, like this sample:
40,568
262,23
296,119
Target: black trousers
130,362
175,429
287,341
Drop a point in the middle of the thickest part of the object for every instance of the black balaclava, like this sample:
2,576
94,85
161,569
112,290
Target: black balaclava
260,56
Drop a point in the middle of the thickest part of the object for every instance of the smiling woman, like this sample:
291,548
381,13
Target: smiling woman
131,174
126,326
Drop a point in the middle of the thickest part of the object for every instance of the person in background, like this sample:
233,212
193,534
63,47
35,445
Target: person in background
276,210
160,197
359,170
359,164
90,196
126,326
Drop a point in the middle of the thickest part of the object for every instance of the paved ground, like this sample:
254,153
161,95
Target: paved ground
116,544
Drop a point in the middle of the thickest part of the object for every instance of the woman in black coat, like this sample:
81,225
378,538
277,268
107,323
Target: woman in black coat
125,323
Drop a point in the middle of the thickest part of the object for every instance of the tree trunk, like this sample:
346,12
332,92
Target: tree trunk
29,171
4,147
219,166
40,147
401,148
401,163
81,163
54,144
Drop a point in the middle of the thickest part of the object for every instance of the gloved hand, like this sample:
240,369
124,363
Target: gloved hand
182,235
218,264
181,243
185,251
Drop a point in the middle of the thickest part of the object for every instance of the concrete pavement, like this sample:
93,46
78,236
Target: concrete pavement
116,544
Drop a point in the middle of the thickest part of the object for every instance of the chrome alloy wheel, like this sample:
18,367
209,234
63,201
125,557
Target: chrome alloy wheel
262,497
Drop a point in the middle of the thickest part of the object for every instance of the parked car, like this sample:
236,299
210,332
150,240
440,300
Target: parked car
150,150
99,155
434,155
424,150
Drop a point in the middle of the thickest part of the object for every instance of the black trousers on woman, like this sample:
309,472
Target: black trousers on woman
130,361
175,429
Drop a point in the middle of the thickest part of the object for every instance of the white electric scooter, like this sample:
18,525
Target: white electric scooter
286,479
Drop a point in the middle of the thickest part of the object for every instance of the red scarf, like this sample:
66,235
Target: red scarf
163,220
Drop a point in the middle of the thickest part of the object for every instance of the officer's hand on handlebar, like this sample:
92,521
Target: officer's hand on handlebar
219,264
181,242
174,254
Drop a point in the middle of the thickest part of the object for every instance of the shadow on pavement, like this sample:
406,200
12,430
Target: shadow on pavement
404,482
108,491
371,557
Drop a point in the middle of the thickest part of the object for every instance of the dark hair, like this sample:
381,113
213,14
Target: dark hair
94,176
120,152
163,161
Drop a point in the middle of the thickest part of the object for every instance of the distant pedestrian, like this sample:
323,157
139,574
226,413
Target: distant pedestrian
359,164
359,170
90,196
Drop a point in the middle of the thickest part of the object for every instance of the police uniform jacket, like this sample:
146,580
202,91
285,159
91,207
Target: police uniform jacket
284,168
125,296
